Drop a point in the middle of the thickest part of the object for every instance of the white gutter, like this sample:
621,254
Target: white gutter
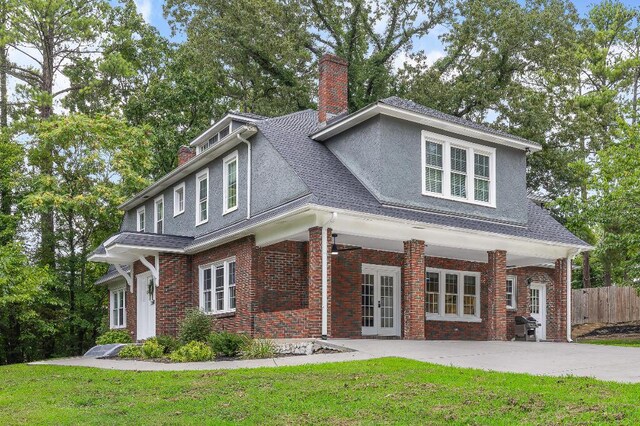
570,258
325,280
248,174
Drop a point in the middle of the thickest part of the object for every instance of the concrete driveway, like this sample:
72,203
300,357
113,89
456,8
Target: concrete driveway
541,358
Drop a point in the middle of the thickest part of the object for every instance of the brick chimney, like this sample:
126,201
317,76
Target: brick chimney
332,88
185,154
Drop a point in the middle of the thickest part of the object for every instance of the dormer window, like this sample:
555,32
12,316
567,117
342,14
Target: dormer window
458,170
159,215
140,216
213,140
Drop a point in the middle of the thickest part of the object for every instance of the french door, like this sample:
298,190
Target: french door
380,293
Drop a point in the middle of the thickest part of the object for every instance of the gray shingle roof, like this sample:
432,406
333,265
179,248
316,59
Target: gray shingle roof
249,115
111,274
143,239
333,185
421,109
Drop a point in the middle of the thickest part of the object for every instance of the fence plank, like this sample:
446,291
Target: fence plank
604,305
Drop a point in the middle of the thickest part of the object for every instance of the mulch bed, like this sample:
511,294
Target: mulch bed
615,330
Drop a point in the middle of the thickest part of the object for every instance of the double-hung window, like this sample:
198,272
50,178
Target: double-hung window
230,183
458,170
178,200
202,197
140,219
452,295
118,311
159,215
511,292
218,287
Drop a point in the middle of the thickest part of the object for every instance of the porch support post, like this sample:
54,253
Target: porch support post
497,297
319,271
559,298
413,291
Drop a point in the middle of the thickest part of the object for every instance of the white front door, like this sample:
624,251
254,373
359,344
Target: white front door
380,294
538,307
146,306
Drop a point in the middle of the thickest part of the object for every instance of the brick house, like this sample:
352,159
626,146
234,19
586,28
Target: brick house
395,220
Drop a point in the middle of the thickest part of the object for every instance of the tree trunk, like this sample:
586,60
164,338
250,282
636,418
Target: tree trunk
586,275
5,195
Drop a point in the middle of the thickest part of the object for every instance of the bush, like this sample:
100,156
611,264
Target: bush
228,344
192,352
130,351
152,349
114,336
259,348
169,343
196,326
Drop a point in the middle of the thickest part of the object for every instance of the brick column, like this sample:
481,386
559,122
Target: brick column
314,320
559,314
413,290
497,301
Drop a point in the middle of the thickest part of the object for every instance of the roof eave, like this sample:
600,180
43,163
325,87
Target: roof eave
393,111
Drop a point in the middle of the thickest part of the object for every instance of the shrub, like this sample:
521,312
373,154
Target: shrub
114,336
192,352
196,326
152,349
228,344
130,351
259,348
169,343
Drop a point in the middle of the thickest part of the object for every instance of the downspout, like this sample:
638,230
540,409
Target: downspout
325,280
248,174
570,258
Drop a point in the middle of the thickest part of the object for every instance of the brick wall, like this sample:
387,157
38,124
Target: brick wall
282,324
314,262
413,291
282,277
496,300
346,306
332,87
175,294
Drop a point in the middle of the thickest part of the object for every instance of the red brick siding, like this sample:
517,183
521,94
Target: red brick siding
175,294
282,324
314,320
413,291
282,277
185,154
346,307
496,302
332,87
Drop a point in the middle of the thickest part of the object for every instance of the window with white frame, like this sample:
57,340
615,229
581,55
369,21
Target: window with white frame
140,216
452,295
159,215
213,139
202,197
458,170
230,183
178,200
118,311
511,292
218,287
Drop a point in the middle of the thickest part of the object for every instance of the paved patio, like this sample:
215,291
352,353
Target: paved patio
553,359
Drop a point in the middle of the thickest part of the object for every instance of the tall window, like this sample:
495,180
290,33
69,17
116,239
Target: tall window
159,215
118,313
178,200
230,182
140,219
202,197
452,295
511,293
458,170
218,287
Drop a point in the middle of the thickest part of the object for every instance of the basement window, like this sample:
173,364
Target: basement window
452,295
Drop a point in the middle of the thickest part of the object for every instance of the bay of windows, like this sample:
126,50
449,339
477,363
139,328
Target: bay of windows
218,287
452,295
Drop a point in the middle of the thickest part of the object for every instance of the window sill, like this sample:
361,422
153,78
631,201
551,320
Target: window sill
178,213
226,212
460,199
221,314
509,308
202,223
452,318
113,327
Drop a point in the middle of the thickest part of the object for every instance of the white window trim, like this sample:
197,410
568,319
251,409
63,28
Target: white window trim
441,297
124,307
225,295
144,213
514,292
176,204
155,214
471,148
203,174
225,180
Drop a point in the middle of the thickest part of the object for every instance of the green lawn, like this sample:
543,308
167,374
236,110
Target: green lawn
612,342
389,390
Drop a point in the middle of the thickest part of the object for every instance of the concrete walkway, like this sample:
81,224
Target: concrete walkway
552,359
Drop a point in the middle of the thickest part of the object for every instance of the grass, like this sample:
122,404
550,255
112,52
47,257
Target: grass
612,342
387,390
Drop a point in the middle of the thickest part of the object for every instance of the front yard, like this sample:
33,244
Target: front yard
387,390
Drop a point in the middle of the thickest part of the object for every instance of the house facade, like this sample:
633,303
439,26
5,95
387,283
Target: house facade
393,221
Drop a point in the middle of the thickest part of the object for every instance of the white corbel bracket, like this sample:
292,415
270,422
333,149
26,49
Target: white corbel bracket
154,269
127,276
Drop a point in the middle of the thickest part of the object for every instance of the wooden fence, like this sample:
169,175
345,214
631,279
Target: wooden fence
605,305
